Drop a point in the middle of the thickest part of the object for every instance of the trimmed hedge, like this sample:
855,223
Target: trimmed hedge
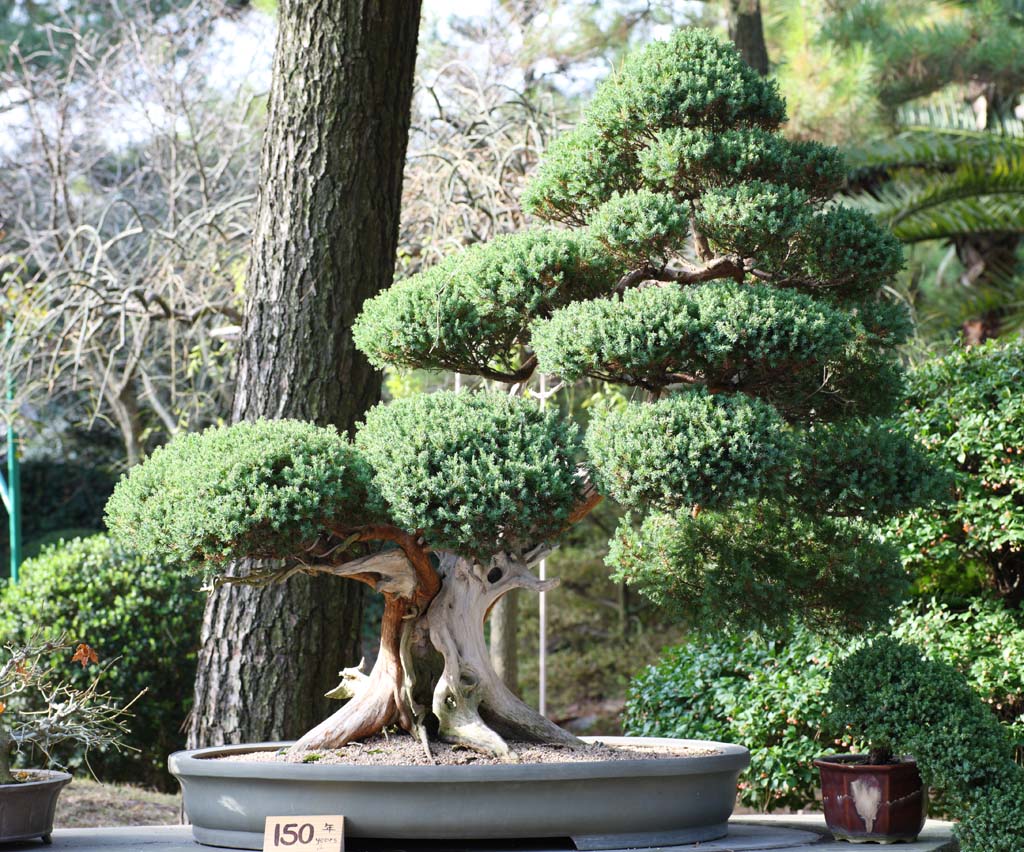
145,614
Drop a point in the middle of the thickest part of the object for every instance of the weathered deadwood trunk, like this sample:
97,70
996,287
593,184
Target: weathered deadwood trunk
434,674
746,30
324,241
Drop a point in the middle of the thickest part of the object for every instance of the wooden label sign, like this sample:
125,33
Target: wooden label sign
304,834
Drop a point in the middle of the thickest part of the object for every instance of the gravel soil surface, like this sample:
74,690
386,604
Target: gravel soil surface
401,750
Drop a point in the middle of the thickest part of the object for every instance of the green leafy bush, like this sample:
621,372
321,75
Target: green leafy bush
124,607
769,694
890,695
984,642
967,412
765,694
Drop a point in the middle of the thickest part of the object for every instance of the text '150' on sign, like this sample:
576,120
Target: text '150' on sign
304,833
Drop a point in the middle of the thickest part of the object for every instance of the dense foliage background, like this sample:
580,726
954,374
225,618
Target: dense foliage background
923,97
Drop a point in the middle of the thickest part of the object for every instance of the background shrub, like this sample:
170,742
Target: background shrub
123,606
769,694
58,498
765,694
967,412
984,642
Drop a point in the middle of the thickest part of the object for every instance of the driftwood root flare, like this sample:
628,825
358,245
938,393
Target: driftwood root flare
439,654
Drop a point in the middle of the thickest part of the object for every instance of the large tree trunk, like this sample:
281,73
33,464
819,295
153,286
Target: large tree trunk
324,241
504,640
747,32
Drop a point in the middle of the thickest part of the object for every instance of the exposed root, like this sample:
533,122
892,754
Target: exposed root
376,703
408,686
469,690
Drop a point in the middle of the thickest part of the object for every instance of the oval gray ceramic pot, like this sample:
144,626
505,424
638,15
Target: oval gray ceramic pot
600,805
26,808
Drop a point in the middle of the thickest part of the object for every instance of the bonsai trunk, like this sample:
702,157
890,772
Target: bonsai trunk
881,756
433,676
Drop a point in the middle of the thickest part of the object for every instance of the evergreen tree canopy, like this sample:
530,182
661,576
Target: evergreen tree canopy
722,283
702,265
922,46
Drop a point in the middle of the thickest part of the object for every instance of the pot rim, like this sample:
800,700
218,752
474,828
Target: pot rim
197,762
850,763
52,776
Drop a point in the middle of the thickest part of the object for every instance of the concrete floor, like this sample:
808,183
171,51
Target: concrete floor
750,834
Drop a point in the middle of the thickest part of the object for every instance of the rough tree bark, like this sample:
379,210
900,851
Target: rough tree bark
504,636
747,32
324,241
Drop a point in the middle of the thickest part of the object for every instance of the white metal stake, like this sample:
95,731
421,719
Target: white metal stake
542,667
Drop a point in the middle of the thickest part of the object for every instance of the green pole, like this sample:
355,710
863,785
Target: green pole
13,480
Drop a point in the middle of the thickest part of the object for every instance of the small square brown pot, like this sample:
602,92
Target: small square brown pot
865,803
26,808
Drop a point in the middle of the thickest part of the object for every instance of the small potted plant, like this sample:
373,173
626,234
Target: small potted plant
888,694
39,711
878,796
872,797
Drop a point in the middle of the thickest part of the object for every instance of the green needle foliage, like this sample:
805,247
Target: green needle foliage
478,473
701,264
252,489
470,312
922,46
745,566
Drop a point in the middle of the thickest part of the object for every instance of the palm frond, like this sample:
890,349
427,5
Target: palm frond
974,198
941,177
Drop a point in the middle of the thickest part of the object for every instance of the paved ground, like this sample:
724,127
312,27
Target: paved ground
750,834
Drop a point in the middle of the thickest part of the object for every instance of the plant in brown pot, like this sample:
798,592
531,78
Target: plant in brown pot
39,711
888,694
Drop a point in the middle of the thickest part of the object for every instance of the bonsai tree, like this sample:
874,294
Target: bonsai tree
692,259
889,695
40,709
